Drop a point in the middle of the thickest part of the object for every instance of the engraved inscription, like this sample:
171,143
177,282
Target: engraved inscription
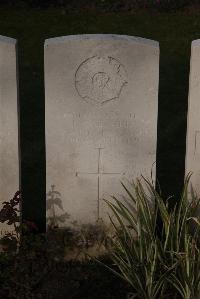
100,79
99,131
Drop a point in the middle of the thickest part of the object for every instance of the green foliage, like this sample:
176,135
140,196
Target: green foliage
109,5
181,240
156,266
9,214
53,200
167,5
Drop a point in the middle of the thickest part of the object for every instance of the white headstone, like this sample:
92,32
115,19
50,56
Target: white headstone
9,160
101,117
192,162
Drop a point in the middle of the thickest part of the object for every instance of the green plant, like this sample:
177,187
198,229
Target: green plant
53,200
181,243
20,253
10,214
156,266
136,248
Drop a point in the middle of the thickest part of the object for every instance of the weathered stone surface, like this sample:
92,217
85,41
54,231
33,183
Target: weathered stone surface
192,161
9,161
101,118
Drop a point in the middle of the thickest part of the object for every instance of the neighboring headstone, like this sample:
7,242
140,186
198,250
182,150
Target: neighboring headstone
192,161
101,120
9,160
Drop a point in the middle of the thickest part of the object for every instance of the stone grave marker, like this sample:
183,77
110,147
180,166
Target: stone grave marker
9,159
101,94
192,161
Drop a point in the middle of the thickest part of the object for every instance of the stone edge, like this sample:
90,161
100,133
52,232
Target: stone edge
63,39
196,42
8,40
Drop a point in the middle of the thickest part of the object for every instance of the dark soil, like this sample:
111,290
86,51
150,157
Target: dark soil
61,280
87,281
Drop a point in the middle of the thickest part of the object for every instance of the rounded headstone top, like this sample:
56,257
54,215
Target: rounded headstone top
8,40
196,42
129,38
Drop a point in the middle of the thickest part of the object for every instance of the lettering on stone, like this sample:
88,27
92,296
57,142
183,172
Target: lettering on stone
99,80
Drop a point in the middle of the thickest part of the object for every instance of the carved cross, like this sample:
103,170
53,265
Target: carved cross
99,174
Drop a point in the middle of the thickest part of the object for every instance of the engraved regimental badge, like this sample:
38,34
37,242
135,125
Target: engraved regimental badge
100,79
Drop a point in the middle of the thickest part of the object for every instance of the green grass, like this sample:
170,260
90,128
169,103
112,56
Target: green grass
174,31
156,264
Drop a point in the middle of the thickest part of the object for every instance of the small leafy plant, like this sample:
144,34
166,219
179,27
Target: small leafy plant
23,262
10,214
54,200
